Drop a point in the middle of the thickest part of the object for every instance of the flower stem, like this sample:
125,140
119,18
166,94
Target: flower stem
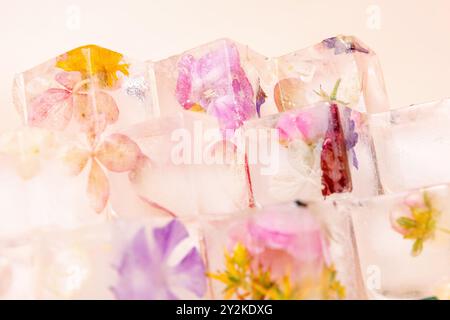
335,89
251,198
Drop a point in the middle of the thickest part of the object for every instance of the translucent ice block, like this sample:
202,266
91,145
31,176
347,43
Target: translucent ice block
187,168
53,179
88,90
403,243
285,251
302,73
321,150
413,145
37,189
153,258
222,78
16,269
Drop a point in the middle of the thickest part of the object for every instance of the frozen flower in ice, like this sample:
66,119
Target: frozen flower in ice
416,219
144,271
279,238
117,153
27,149
304,125
216,83
278,254
91,108
92,60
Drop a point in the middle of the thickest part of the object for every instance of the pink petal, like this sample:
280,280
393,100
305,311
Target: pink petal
184,81
76,159
118,153
98,187
95,112
52,109
415,200
68,79
397,213
287,127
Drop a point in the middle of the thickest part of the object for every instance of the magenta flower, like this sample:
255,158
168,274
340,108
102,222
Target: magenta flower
304,125
144,272
216,83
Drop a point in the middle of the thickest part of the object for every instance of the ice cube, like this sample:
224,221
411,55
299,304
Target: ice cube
310,153
280,247
187,168
403,242
88,90
302,73
412,145
222,78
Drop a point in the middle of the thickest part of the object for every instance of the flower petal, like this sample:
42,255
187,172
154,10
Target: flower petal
95,112
76,159
184,81
118,153
52,109
190,273
168,237
98,187
68,79
134,270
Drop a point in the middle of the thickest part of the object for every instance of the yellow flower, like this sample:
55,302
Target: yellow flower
243,281
92,60
416,220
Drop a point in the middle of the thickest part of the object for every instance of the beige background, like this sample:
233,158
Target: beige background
411,37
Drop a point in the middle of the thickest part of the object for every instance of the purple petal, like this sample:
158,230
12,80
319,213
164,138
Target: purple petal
260,99
330,42
168,237
354,159
136,271
190,273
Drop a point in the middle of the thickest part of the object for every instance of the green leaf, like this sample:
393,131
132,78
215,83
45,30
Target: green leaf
430,298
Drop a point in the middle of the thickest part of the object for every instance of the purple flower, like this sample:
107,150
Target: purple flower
144,272
344,44
351,137
216,83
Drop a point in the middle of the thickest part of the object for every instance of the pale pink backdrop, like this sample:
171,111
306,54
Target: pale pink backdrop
410,37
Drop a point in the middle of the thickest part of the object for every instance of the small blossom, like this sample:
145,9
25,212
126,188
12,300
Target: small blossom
415,219
117,153
217,84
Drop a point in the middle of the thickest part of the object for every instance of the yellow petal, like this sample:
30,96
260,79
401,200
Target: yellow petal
92,60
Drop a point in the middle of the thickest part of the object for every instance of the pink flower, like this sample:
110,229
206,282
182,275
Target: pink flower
304,125
54,108
117,153
217,84
284,239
